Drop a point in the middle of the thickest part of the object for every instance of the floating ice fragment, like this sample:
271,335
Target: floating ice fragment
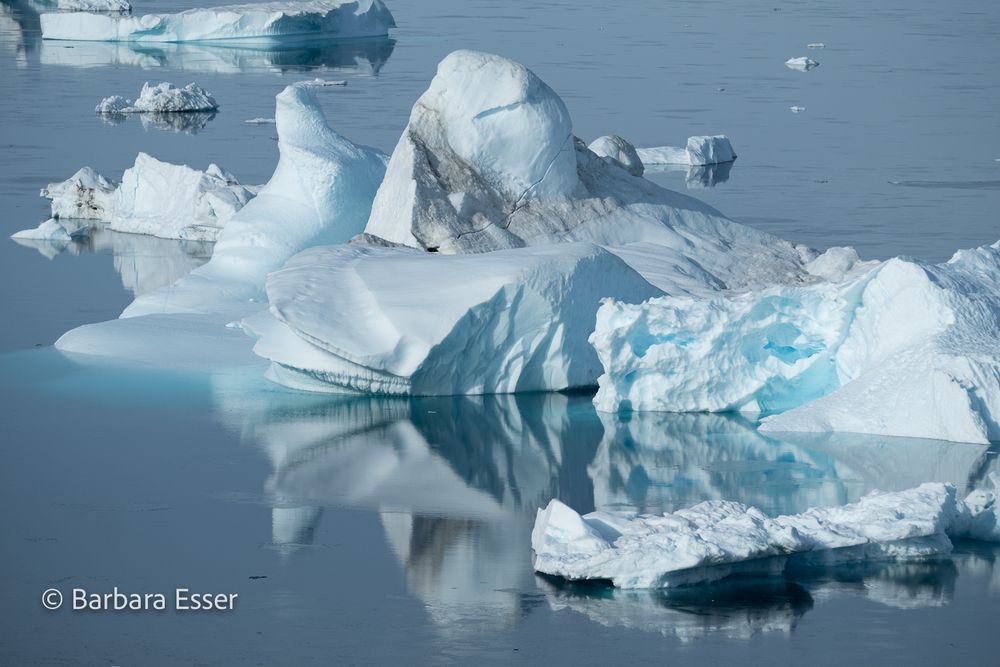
260,121
50,230
717,538
796,109
816,45
700,150
322,83
618,151
802,64
161,98
266,22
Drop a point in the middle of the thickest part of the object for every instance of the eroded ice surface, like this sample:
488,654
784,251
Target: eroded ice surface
161,98
120,6
896,348
156,198
266,21
714,539
701,150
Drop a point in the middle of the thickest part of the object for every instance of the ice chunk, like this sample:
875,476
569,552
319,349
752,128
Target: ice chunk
701,150
507,321
909,333
618,151
796,109
816,45
50,230
263,22
260,121
802,64
714,539
119,6
155,198
161,98
322,83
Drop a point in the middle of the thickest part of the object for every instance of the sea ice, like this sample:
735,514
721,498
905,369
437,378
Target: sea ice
802,64
161,98
922,338
322,83
717,538
262,22
699,151
816,45
154,197
260,121
796,109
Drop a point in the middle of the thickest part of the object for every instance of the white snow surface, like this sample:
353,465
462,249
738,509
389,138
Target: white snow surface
50,230
156,198
619,151
120,6
802,64
699,150
261,22
161,98
898,348
516,320
716,538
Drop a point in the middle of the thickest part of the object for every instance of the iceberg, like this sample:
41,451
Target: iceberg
715,539
156,198
118,6
161,98
618,151
802,64
503,322
899,348
50,230
702,150
262,22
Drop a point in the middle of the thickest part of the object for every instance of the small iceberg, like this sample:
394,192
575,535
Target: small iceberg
700,150
161,98
50,230
816,45
322,83
718,538
796,109
801,64
618,151
156,198
266,22
260,121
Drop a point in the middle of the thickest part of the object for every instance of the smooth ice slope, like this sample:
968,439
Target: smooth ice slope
716,538
156,198
262,22
395,321
893,348
161,98
700,150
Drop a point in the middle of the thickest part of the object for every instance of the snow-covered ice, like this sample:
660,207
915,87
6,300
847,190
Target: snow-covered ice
802,64
154,197
161,98
619,151
50,230
701,150
714,539
262,22
895,348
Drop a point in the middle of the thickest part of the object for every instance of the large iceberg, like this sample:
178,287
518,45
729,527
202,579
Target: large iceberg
161,98
119,6
262,22
895,348
715,539
156,198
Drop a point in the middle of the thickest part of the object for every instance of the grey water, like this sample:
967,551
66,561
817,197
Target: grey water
376,531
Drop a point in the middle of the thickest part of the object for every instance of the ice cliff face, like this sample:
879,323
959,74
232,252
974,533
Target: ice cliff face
894,348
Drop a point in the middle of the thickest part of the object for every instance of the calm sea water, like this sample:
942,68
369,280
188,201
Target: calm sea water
360,531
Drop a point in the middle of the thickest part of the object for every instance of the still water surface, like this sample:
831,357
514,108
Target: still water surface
396,530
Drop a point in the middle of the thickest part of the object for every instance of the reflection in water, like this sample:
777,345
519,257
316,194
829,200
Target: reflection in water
697,177
20,29
351,56
457,481
188,122
145,263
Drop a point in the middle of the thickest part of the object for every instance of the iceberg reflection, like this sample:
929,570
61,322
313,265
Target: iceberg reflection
456,483
349,56
188,122
697,177
145,263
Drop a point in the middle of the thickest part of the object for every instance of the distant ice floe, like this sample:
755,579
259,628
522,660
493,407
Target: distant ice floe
802,64
816,45
699,151
322,83
263,22
715,539
796,109
154,197
260,121
161,98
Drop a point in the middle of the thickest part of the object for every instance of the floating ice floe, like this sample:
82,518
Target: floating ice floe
260,121
816,45
802,64
262,22
50,230
796,109
154,197
118,6
714,539
322,83
699,151
161,98
895,348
